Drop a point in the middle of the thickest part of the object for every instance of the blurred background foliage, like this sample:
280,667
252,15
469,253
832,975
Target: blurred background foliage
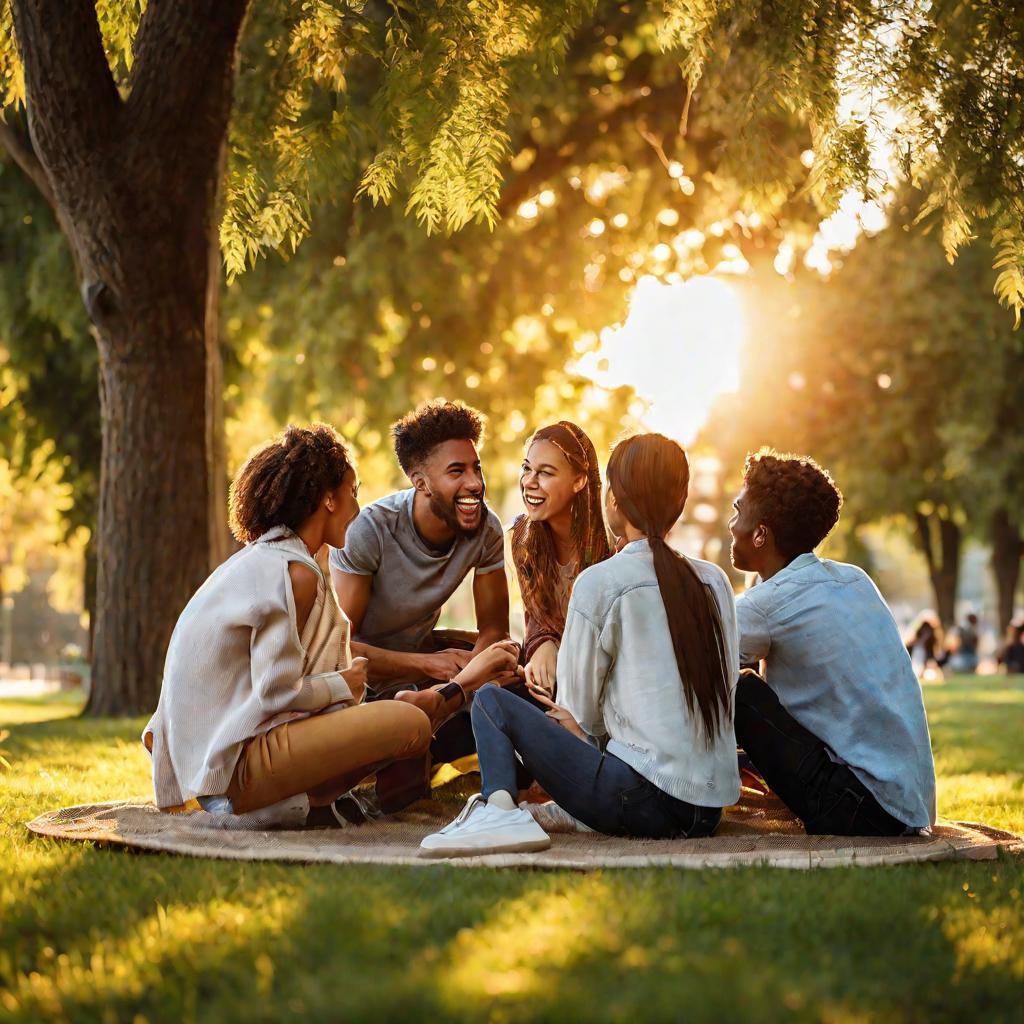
460,199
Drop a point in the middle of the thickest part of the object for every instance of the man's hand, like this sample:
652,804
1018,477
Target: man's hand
444,665
493,664
559,714
540,671
356,675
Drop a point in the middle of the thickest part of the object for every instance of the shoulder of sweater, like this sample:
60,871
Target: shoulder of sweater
266,571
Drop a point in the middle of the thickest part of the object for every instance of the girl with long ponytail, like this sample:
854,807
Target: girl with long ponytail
641,742
649,477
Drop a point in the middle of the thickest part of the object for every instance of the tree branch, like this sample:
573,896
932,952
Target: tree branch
552,159
70,92
19,147
183,71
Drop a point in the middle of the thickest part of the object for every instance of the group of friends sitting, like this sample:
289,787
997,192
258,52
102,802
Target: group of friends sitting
306,683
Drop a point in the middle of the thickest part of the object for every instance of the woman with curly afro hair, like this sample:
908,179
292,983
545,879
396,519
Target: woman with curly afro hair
260,719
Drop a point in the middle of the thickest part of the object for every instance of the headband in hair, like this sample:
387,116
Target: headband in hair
565,440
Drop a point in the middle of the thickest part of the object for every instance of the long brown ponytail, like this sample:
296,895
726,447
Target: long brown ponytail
650,477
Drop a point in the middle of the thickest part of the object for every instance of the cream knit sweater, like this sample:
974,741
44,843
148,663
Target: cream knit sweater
236,667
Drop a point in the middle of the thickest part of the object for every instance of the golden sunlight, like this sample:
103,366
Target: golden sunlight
679,349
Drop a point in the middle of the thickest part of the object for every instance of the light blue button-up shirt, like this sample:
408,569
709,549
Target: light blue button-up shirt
834,656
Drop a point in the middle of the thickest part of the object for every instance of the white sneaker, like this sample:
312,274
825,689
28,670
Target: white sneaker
487,827
553,818
288,813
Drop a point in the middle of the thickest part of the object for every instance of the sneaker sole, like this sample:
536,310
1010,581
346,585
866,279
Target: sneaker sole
523,846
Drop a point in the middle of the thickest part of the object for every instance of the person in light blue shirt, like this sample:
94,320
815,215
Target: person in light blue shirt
837,725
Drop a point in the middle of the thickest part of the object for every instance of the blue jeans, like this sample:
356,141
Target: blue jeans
596,788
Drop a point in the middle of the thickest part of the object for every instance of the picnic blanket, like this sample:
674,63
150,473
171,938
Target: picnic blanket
757,831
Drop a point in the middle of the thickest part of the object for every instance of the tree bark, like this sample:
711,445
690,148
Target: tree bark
136,184
153,515
1007,551
220,539
940,538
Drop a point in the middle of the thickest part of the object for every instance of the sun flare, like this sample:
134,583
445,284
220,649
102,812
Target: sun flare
678,349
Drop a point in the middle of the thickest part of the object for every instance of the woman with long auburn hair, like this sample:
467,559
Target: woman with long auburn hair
641,741
561,533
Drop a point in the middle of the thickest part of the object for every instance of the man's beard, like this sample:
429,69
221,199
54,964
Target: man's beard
447,514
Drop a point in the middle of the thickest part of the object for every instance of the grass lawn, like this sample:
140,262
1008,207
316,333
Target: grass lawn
93,934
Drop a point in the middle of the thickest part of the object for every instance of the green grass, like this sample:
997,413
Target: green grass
93,934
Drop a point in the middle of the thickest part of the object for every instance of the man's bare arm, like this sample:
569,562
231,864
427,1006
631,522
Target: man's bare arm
490,595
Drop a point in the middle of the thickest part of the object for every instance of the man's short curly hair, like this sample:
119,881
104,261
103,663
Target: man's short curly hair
419,432
284,481
794,497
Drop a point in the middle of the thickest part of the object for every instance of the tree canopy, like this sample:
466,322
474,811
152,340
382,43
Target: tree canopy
465,191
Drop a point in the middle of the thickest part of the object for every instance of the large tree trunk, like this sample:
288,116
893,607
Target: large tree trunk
135,183
939,538
154,509
1007,551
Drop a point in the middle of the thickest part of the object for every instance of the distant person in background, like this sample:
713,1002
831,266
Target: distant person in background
963,654
1011,656
561,533
837,725
926,651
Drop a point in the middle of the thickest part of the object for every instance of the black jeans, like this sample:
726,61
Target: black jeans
596,788
827,797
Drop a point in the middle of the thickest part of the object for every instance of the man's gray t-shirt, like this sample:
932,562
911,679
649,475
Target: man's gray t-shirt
411,581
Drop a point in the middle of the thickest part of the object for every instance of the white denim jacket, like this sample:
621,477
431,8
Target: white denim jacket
617,675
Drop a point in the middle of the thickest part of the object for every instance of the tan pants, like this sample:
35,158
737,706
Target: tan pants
327,754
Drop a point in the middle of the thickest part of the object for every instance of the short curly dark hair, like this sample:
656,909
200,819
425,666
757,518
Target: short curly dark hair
419,432
282,483
794,497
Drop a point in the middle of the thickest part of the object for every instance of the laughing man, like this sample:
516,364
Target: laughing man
406,554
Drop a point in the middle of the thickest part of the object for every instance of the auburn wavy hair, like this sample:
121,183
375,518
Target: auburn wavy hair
533,547
650,477
283,482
